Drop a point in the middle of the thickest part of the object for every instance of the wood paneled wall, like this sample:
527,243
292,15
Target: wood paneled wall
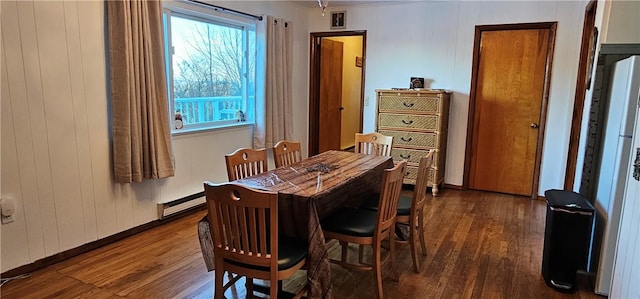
54,127
56,147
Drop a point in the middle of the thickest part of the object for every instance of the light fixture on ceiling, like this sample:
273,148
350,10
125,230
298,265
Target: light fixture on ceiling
323,4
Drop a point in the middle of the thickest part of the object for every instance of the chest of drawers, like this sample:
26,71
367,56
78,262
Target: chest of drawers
418,121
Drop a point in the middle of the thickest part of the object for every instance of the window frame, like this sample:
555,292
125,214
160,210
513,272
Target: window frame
197,13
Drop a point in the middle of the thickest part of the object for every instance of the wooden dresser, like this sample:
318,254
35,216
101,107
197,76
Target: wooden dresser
418,121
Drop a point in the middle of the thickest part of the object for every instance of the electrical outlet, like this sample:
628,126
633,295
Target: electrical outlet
7,219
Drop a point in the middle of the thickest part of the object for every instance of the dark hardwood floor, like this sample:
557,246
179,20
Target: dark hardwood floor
480,245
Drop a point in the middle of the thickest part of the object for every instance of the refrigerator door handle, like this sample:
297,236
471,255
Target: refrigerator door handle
636,165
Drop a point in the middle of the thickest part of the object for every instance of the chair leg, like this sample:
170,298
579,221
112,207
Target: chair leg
392,257
218,291
377,269
304,290
413,243
345,250
249,285
274,284
421,232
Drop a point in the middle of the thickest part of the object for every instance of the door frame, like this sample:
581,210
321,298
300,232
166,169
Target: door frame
314,83
543,105
588,30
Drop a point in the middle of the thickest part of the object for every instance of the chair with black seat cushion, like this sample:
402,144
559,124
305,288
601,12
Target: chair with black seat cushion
244,222
246,162
286,152
411,209
366,227
373,144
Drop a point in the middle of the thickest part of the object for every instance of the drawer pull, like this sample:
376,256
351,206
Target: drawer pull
407,122
408,105
407,173
406,139
405,157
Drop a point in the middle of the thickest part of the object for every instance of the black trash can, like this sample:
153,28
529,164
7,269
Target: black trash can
567,236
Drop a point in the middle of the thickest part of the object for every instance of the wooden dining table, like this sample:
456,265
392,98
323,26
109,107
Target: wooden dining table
308,191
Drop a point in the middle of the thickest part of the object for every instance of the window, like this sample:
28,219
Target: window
210,69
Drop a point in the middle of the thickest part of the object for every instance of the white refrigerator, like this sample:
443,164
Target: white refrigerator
614,167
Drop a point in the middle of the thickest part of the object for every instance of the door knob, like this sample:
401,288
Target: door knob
534,125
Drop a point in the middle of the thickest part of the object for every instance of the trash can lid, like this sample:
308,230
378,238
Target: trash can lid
568,200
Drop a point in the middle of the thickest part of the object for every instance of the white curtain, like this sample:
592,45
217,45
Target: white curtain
274,113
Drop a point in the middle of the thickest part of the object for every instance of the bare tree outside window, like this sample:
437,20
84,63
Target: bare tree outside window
212,74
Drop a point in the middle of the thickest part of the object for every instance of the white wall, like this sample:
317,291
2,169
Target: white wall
623,22
434,40
56,135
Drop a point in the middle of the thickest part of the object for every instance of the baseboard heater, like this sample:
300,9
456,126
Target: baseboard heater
180,205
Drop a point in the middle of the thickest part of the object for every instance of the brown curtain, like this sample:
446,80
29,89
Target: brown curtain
140,128
274,115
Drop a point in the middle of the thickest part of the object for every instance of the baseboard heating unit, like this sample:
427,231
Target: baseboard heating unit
186,203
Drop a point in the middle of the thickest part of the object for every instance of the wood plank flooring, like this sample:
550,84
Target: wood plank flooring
480,245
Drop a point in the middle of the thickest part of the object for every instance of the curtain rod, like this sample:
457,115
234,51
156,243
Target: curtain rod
224,9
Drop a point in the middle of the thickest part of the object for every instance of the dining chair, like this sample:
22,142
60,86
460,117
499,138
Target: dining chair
286,152
245,162
411,210
373,144
366,227
244,222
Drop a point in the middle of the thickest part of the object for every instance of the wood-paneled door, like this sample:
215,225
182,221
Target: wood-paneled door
330,94
507,109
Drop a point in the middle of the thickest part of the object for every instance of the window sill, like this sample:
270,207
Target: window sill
184,132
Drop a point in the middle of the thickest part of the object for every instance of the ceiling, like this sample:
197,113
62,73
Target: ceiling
331,3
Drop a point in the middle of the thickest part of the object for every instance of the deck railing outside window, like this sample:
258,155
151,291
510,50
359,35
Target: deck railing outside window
208,109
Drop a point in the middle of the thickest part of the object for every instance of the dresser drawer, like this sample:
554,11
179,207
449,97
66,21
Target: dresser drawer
412,139
411,156
407,121
411,172
409,103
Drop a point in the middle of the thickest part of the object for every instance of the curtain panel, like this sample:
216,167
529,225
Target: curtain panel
274,111
140,119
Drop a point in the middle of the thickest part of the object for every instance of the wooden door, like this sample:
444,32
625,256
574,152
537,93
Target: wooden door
330,95
510,81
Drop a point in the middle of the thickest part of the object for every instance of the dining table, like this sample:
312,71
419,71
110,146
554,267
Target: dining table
308,191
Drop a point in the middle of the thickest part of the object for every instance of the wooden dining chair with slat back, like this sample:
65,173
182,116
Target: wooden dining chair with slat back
411,210
245,162
366,227
286,152
373,144
244,222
